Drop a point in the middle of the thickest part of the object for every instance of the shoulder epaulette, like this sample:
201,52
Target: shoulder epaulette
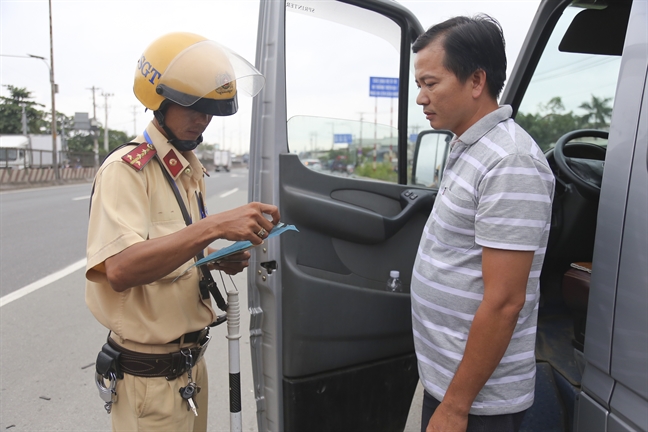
140,156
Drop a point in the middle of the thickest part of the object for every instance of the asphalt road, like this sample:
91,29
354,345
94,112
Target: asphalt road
49,340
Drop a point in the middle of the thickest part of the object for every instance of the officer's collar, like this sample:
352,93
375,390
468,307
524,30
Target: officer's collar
174,161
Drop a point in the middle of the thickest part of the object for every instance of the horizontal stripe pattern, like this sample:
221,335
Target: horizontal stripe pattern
496,192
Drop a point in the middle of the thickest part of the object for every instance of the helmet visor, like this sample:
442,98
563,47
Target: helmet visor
207,69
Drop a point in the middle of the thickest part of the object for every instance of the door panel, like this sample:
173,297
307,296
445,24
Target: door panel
336,310
347,342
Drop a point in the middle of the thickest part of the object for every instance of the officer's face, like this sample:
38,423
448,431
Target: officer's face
186,123
447,102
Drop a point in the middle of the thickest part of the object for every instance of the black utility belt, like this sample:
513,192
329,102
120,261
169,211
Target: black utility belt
119,360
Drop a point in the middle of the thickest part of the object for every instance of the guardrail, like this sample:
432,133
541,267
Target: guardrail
28,167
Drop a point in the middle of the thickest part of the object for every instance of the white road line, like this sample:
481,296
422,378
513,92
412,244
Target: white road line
41,283
81,198
228,193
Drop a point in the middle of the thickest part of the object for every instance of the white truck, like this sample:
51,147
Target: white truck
222,160
26,151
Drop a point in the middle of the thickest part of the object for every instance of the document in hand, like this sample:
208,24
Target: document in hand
240,246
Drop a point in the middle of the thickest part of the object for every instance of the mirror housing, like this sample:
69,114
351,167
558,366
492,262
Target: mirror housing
430,155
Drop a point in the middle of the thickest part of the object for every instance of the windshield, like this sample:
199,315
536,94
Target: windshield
569,90
10,154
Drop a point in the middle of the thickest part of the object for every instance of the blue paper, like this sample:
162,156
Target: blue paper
241,246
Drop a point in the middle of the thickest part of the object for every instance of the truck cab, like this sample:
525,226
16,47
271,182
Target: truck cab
222,160
332,349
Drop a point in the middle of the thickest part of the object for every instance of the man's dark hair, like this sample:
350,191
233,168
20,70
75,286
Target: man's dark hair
470,44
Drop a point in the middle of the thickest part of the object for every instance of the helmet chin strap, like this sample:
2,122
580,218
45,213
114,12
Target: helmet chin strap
180,145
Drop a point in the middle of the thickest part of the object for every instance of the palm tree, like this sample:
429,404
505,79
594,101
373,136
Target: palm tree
599,112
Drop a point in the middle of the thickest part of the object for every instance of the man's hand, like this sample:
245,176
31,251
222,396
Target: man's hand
245,223
232,264
446,419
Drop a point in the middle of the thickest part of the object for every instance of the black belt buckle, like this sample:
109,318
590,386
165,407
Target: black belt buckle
178,359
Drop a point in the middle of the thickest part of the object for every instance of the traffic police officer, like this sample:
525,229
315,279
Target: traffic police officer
140,245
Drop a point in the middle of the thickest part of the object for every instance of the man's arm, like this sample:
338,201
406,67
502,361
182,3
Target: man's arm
505,274
152,259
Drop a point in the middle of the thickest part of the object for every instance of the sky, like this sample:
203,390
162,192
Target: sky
97,44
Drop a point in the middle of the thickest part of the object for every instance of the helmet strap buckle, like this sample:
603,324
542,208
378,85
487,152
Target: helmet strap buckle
180,145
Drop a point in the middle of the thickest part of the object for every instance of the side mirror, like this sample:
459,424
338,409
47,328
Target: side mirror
430,155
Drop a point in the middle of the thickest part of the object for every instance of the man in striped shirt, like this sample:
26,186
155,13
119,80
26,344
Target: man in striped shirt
475,284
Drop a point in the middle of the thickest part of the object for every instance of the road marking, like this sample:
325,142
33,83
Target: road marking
41,283
81,198
228,193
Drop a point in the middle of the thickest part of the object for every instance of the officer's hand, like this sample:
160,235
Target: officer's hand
248,222
232,264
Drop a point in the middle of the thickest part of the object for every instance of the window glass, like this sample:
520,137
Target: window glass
416,123
8,154
431,157
332,119
569,90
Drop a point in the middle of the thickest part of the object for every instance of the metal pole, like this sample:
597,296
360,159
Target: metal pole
375,152
23,118
134,120
233,336
57,175
106,96
93,127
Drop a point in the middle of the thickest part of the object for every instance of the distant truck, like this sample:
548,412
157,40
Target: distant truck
27,151
222,160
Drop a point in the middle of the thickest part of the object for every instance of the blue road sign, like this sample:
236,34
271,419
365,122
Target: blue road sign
383,87
342,138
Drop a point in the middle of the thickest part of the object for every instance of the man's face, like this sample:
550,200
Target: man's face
447,103
185,123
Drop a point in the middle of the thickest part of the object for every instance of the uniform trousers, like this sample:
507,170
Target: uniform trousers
155,404
476,423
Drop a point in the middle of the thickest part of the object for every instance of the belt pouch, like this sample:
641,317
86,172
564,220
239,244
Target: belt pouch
108,361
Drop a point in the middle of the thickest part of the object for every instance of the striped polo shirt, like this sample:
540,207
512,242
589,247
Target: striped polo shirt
496,191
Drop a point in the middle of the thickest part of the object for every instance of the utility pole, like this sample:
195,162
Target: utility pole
359,146
57,175
93,126
106,96
135,120
23,118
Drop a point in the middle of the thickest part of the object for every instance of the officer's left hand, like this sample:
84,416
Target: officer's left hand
232,264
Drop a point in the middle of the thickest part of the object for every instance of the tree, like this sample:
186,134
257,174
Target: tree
84,141
550,123
11,112
599,113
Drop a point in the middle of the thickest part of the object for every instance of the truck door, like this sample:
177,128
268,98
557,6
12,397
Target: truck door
332,349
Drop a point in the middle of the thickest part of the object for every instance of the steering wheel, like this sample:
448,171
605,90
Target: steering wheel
585,174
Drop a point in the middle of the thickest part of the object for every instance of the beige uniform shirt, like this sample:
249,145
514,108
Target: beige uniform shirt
131,206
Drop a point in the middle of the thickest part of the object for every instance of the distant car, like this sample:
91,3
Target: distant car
314,164
339,165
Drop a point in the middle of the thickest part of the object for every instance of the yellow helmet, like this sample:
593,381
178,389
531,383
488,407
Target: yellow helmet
195,72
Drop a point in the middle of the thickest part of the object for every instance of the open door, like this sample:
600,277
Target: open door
332,146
